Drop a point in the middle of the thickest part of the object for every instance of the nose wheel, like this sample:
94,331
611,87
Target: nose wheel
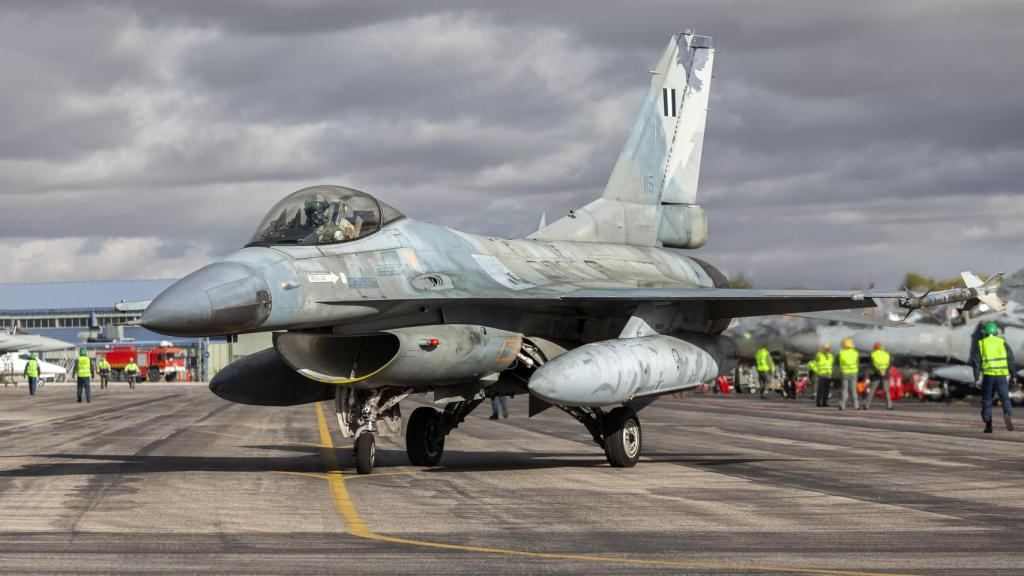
366,453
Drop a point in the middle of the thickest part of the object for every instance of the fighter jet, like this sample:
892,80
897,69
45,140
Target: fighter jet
594,314
14,363
941,351
17,342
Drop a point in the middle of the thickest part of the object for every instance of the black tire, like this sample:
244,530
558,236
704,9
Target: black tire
171,376
153,375
623,440
366,453
424,442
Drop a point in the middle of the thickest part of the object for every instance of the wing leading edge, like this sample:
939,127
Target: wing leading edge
737,303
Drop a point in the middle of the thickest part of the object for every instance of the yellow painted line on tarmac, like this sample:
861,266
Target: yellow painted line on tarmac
355,526
304,474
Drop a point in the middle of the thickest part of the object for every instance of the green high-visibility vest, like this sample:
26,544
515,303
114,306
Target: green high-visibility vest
993,356
880,358
848,358
32,369
103,364
812,367
84,367
764,360
823,363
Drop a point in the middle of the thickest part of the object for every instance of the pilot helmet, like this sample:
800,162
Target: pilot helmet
316,211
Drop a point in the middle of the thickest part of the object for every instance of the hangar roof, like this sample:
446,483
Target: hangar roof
56,297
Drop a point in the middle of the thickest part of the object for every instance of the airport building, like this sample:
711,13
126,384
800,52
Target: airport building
65,310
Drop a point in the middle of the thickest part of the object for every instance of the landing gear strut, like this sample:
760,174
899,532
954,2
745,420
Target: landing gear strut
617,432
427,429
363,414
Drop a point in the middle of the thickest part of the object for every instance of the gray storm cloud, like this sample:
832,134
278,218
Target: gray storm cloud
847,142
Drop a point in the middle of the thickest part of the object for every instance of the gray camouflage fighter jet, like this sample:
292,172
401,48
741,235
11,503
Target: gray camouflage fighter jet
19,342
599,309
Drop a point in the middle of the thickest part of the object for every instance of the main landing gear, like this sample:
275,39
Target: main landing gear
366,414
617,431
428,427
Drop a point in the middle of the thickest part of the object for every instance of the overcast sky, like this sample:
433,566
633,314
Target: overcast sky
848,142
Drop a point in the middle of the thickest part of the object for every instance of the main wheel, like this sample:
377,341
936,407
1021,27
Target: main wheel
424,440
622,437
366,452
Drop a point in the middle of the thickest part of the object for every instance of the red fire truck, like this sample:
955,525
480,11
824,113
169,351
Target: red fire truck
164,361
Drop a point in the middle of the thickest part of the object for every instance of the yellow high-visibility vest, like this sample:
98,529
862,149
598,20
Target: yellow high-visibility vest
84,367
848,359
764,360
880,358
993,356
32,369
823,363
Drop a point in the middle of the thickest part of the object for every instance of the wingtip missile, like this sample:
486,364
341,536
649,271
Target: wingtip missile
975,292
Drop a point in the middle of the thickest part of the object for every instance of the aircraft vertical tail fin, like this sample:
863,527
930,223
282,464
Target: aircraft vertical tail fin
650,197
660,162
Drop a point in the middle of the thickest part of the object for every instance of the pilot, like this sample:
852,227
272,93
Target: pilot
880,362
316,219
993,364
823,363
765,367
849,366
324,230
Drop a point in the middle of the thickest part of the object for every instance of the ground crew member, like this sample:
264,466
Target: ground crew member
849,366
765,367
993,365
104,368
812,377
131,372
496,403
85,371
32,373
880,362
823,369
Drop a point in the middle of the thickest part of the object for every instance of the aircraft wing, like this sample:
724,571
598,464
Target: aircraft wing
852,318
737,302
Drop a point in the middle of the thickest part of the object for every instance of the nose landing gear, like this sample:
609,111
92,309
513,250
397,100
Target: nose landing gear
364,414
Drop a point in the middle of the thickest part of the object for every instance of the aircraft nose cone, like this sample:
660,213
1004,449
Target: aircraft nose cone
221,298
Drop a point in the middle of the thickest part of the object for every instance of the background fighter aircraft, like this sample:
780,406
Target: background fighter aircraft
599,309
30,343
13,364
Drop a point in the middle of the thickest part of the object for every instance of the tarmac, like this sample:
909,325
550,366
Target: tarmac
171,478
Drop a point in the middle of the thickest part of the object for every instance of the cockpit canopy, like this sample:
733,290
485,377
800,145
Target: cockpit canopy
323,215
